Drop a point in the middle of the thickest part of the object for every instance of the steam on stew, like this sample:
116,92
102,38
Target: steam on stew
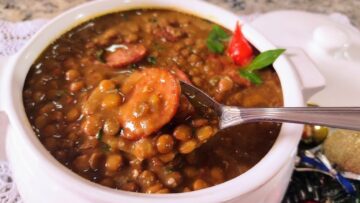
105,101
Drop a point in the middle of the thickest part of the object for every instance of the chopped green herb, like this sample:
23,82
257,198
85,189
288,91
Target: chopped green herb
216,38
99,134
134,65
60,93
261,61
151,59
215,46
251,76
153,20
100,55
104,147
264,59
124,16
158,46
219,33
169,169
181,164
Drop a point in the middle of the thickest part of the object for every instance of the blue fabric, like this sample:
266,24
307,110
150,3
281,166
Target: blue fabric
318,164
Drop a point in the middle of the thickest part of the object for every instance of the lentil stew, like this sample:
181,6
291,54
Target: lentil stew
105,101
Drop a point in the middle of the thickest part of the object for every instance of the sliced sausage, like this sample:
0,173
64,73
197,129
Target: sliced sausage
151,102
126,55
180,74
170,33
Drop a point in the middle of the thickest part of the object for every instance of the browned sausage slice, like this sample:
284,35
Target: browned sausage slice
169,33
180,74
152,98
125,55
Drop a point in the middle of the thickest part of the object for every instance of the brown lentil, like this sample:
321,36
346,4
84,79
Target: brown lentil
111,101
225,84
113,162
81,163
147,178
182,132
187,146
111,127
217,174
164,143
72,75
72,115
106,85
76,86
200,184
96,160
204,133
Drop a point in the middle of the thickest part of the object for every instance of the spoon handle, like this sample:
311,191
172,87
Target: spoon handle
337,117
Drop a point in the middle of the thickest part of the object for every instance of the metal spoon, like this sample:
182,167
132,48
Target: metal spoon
337,117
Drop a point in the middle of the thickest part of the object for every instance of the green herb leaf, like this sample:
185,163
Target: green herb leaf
151,59
264,59
169,169
215,46
251,76
153,20
216,38
104,147
219,33
100,55
99,134
60,93
158,47
261,61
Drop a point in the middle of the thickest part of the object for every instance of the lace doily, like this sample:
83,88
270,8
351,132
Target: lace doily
8,191
14,35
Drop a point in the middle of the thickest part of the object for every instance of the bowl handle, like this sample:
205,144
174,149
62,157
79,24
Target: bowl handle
311,79
4,61
3,118
4,123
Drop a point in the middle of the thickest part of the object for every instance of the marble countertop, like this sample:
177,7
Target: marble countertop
20,10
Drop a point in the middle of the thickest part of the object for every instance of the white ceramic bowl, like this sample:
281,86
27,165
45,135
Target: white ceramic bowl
40,178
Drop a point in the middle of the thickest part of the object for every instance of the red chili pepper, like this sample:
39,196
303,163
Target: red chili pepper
239,48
